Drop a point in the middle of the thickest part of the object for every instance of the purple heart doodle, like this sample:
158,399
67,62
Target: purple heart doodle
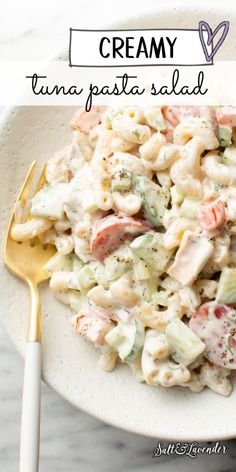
203,26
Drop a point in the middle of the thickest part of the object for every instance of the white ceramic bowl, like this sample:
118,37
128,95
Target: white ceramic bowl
70,364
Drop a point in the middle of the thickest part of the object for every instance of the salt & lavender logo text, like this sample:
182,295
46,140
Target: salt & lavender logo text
191,450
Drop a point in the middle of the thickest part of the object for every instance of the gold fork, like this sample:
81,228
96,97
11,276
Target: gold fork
27,260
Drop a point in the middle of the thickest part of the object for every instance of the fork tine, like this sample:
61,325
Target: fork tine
34,187
41,180
22,197
24,192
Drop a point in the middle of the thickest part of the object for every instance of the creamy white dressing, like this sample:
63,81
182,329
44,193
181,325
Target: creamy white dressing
146,181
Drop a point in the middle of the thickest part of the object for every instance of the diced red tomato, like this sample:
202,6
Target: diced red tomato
93,324
212,215
112,231
85,121
215,324
77,321
226,116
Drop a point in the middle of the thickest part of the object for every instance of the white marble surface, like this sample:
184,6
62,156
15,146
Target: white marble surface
71,440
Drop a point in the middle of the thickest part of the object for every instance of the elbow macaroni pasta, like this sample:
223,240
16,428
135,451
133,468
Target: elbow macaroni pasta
160,370
129,204
30,229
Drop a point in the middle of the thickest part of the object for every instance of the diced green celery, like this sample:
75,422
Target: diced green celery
87,277
58,263
189,297
147,288
121,180
155,118
149,247
225,136
49,202
226,291
189,208
155,199
184,344
118,263
141,270
127,339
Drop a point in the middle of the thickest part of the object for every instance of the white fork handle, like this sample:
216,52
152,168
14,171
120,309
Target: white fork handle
30,420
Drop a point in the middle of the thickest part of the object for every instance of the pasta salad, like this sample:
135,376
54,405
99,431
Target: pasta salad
141,208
